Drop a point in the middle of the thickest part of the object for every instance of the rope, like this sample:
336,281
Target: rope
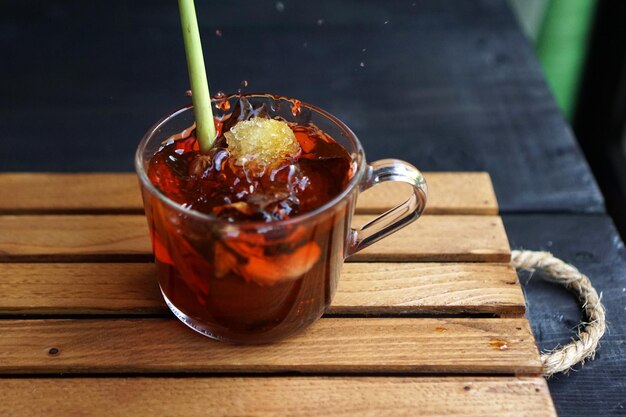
562,359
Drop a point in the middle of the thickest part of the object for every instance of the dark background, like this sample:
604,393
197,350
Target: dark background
86,79
446,85
600,121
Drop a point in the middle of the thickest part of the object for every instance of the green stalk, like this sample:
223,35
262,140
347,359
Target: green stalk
201,98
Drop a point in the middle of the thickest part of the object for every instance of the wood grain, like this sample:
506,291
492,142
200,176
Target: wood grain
71,238
330,345
70,193
442,238
449,193
428,288
278,396
125,237
364,288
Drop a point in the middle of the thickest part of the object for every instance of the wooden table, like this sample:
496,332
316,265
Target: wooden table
449,86
429,320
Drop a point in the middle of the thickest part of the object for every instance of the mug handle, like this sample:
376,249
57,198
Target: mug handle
395,219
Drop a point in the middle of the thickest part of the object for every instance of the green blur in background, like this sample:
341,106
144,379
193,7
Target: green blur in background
560,32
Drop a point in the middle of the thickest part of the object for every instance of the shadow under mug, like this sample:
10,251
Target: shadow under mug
253,282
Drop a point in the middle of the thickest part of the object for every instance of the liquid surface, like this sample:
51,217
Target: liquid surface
260,188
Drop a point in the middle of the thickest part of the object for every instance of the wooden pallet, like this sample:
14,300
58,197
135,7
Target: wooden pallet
429,321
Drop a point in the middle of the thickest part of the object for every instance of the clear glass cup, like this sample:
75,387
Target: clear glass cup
254,282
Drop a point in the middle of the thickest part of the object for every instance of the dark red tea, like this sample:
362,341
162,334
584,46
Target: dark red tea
241,282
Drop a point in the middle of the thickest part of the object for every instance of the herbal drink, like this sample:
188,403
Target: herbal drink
250,284
249,236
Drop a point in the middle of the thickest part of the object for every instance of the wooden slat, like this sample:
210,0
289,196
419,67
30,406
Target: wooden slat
364,288
277,396
428,287
330,345
66,193
449,193
116,237
442,238
81,237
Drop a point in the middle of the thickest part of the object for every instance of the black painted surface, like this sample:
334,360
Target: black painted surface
447,85
591,243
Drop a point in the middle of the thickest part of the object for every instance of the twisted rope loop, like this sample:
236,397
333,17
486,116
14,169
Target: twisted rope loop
584,347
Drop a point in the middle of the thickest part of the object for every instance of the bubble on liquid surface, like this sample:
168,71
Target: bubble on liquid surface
258,143
218,33
280,6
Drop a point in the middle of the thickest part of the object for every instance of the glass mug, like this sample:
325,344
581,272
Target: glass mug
254,282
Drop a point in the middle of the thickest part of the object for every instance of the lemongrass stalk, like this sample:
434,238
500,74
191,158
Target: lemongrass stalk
201,98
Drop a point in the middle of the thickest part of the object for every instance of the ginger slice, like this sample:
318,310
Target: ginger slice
263,269
271,270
